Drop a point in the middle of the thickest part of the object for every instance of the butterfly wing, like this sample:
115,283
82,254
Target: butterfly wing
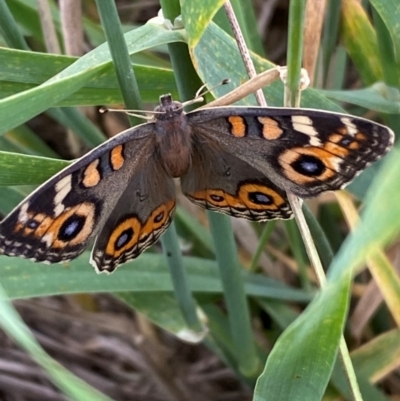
141,215
302,151
220,181
59,220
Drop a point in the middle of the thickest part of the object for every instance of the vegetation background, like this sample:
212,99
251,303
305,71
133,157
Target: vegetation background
271,334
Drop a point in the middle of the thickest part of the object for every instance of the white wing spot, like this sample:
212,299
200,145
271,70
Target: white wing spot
351,128
62,188
305,125
23,213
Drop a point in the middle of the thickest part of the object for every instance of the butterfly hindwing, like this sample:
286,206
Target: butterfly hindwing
220,181
302,151
143,212
59,220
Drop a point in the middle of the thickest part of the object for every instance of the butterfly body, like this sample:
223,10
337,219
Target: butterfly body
173,137
236,160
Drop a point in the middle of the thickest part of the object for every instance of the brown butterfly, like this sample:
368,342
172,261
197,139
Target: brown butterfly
236,160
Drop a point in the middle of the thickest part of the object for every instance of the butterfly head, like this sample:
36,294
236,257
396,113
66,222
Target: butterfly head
168,108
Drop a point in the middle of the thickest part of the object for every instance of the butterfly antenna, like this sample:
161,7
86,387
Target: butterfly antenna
198,97
133,113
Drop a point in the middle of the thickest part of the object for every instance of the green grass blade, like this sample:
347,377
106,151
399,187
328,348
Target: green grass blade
378,357
120,56
23,70
169,316
387,51
294,52
23,279
173,255
390,13
330,35
378,97
8,29
360,41
303,372
236,302
19,169
196,16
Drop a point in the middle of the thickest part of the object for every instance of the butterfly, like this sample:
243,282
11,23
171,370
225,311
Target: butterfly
240,161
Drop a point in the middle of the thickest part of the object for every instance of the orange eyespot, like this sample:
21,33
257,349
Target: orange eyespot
157,219
124,237
260,197
73,226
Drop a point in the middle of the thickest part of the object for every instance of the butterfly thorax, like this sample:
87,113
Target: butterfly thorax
173,137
